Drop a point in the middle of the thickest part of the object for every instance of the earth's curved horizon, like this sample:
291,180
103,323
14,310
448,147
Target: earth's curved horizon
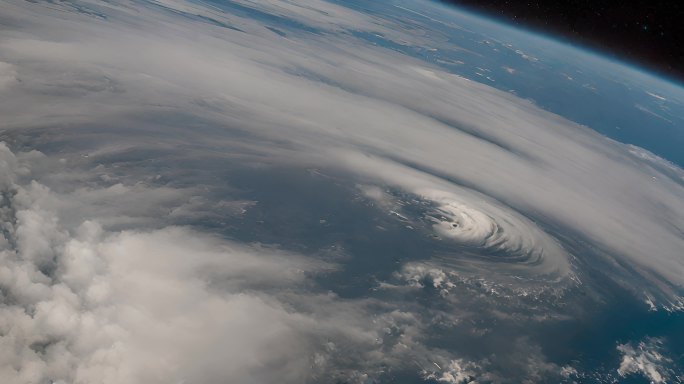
311,191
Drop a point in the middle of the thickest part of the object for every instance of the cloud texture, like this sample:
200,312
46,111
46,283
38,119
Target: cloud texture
125,258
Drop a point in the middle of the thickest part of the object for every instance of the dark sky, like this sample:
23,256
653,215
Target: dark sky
647,32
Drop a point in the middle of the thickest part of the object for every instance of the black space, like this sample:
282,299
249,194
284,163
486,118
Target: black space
649,33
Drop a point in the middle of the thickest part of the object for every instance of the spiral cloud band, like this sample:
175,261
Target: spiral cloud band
511,235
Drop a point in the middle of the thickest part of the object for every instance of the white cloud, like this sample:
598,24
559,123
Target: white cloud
153,307
457,372
645,358
100,283
84,304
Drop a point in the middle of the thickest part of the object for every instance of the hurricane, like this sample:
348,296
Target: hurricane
312,191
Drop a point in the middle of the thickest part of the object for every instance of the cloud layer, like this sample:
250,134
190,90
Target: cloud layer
139,132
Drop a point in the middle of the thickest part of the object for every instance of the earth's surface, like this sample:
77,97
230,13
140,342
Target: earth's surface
331,192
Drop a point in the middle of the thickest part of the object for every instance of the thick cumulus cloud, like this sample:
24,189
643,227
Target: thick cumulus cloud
88,305
83,305
646,358
113,269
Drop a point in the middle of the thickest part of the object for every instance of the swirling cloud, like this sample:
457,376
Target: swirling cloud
124,258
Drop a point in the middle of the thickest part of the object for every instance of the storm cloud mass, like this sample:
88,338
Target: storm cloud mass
254,192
